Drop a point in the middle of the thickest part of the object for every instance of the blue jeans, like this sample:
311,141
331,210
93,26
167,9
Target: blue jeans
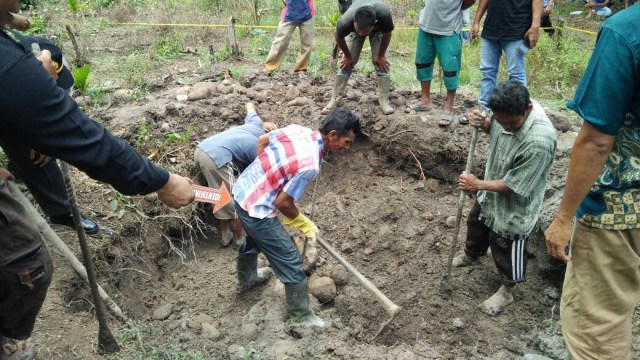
490,53
269,236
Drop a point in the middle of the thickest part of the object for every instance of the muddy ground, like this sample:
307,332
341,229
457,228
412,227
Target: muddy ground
388,206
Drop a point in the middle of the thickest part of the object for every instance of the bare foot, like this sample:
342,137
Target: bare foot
17,349
462,261
497,302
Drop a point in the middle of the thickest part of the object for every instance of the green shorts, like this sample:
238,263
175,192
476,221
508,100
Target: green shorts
448,49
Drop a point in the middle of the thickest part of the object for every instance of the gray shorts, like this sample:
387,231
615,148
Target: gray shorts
215,176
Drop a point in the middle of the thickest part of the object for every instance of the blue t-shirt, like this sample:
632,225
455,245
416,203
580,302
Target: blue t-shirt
238,144
608,98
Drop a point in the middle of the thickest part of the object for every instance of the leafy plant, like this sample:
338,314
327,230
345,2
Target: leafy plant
333,18
142,135
177,137
73,5
81,78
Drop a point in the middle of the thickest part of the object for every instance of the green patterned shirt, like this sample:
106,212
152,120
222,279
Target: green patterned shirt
522,160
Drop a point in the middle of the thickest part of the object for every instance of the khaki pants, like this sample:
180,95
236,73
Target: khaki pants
281,43
601,289
215,176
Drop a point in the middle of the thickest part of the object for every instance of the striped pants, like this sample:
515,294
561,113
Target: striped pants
510,256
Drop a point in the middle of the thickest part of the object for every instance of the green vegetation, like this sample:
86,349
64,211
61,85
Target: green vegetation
81,78
553,67
133,346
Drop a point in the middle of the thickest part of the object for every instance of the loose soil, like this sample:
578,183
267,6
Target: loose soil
388,205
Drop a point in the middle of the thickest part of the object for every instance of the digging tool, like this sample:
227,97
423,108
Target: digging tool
54,239
445,286
388,305
107,344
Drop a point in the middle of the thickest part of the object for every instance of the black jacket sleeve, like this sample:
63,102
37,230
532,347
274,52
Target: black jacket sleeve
36,113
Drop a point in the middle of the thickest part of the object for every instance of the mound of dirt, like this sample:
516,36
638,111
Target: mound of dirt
386,206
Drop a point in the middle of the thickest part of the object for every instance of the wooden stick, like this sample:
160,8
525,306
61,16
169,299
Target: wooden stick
445,286
80,61
55,240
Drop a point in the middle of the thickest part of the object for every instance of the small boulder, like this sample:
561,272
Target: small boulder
450,221
162,312
210,332
432,185
199,319
123,94
299,101
323,288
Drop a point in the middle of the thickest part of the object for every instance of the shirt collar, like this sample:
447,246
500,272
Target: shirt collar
316,136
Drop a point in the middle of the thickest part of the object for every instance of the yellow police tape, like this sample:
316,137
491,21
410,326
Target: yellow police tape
317,27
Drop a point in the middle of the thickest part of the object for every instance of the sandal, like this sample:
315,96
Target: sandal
419,107
445,119
463,120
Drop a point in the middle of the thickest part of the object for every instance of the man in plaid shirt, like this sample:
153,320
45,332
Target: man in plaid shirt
288,159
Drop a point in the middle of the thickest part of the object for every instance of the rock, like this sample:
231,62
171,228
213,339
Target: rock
292,93
236,352
299,101
346,248
560,119
83,100
210,332
249,77
339,275
249,331
196,321
226,82
432,185
368,251
356,232
283,349
165,126
552,293
162,312
198,94
458,323
450,221
222,89
239,89
428,216
123,94
323,288
565,143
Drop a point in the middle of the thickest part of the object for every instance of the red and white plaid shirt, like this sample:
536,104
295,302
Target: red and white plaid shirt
289,163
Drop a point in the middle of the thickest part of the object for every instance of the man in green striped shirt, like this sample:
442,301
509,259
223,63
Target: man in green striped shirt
522,145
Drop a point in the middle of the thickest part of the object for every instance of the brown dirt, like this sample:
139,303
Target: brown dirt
371,204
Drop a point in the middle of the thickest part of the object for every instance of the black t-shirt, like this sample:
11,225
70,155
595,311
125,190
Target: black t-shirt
507,19
384,22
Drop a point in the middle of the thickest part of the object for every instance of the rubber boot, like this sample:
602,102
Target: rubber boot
249,276
300,311
338,88
384,85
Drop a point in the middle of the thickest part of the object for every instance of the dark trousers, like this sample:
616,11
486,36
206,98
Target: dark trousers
510,256
23,288
44,183
269,236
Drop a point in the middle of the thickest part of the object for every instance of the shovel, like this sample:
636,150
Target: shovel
445,286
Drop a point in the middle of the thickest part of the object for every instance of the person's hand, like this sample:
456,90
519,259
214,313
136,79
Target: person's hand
477,118
269,126
177,192
39,160
382,63
475,28
532,35
557,237
305,225
547,10
469,182
20,23
346,63
48,64
6,175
